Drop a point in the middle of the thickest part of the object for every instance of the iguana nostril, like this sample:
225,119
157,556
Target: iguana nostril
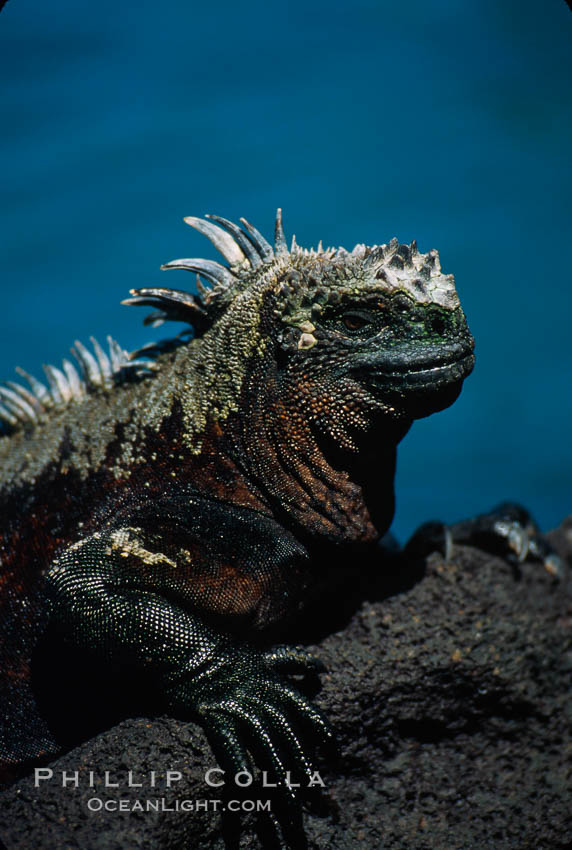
438,325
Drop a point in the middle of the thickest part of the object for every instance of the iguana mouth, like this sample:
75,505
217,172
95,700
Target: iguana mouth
424,384
406,366
448,372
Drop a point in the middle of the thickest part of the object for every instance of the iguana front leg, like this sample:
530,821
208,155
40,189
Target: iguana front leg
508,530
114,594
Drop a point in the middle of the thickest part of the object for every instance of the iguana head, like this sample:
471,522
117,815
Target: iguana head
382,322
349,336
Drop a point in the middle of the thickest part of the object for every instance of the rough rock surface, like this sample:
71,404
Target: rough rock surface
449,688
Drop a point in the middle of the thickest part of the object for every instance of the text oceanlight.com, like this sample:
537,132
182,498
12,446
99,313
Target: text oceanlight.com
160,804
155,781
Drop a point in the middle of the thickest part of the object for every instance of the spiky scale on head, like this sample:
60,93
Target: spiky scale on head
295,301
398,268
297,289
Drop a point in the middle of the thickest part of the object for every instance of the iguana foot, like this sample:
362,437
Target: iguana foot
508,530
254,718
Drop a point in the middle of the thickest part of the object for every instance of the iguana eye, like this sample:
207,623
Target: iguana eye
354,321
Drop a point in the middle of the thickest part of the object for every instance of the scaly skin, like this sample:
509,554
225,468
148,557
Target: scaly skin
159,527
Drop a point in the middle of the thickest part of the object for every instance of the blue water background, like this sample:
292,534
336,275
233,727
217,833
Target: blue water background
446,122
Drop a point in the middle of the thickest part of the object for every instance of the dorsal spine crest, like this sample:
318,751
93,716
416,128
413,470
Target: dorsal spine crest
20,406
249,256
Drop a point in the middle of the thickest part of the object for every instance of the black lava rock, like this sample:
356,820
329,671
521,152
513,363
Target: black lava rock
449,690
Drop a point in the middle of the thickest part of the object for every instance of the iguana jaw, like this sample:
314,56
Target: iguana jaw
406,366
415,383
428,377
420,387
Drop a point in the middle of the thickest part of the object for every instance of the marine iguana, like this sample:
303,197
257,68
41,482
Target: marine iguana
163,512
